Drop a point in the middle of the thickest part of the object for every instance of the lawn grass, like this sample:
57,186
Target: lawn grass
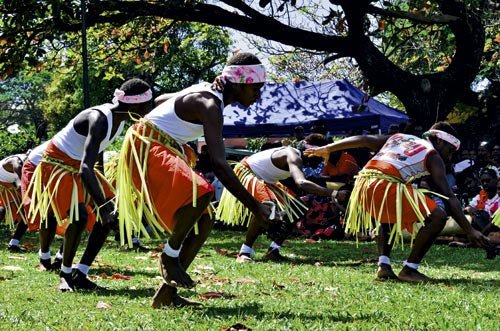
329,285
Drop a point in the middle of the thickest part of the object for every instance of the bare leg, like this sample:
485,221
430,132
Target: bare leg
423,242
171,268
167,295
72,239
20,230
47,233
96,241
14,243
253,232
384,270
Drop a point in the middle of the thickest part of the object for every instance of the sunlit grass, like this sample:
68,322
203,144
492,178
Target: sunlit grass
329,285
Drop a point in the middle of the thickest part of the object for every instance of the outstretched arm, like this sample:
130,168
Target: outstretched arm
212,119
438,174
373,142
295,167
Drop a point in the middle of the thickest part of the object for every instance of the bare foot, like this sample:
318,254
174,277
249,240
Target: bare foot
173,273
167,296
385,272
411,275
65,283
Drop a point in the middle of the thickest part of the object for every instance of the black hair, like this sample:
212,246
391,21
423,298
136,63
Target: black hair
134,86
243,58
316,139
489,172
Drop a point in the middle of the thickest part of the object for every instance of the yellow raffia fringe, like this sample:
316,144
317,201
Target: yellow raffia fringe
42,197
134,203
359,220
232,212
9,195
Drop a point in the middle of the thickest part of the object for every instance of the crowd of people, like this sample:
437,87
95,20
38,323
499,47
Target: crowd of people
160,186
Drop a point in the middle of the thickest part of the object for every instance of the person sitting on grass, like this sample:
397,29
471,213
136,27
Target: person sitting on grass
66,182
156,177
383,192
486,203
10,198
260,173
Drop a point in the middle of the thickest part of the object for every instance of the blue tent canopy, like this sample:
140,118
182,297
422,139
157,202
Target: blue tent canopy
336,103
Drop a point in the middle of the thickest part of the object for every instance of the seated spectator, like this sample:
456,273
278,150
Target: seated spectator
341,167
486,203
483,160
495,155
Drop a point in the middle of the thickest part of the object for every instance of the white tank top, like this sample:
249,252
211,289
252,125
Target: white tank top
73,143
36,154
407,154
7,176
263,167
165,118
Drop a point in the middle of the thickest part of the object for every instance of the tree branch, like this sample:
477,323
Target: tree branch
258,24
430,19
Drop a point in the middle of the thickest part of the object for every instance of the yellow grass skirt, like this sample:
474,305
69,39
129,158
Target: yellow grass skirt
232,212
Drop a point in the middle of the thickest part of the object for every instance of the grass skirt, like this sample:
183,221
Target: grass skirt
232,212
11,201
386,199
154,180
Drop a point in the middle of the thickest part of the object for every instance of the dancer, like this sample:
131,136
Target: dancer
384,191
156,177
65,181
10,198
260,173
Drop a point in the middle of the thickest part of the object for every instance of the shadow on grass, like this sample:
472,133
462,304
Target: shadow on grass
124,292
256,311
120,270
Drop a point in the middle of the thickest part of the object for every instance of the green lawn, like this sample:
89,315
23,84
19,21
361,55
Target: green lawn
329,285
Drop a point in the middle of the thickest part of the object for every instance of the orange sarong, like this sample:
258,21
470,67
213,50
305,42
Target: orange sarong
27,173
61,181
10,199
169,178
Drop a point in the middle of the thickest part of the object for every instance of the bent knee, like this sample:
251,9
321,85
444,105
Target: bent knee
438,214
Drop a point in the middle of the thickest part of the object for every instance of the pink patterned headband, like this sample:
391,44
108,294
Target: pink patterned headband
444,136
119,95
245,74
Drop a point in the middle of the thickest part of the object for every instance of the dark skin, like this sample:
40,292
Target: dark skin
94,125
436,221
205,109
287,159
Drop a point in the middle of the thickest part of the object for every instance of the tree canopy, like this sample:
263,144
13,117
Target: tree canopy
339,28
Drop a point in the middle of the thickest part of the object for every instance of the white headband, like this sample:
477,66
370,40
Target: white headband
119,95
245,74
444,136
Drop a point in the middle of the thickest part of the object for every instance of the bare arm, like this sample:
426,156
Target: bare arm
373,142
295,168
438,174
212,120
97,128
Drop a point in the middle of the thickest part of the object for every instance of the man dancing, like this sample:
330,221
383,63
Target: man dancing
156,177
384,191
260,174
10,198
65,181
